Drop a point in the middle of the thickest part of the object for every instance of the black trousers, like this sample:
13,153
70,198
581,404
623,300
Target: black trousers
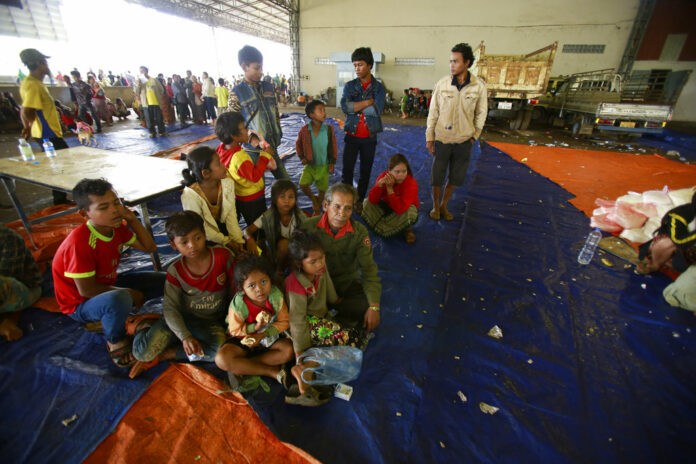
155,119
182,110
365,149
59,197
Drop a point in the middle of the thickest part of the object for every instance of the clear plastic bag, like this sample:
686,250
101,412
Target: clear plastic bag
337,364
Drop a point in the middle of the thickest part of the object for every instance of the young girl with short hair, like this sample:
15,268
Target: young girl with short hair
257,316
210,193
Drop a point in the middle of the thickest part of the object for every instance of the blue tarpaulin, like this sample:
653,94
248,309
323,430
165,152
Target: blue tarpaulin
591,367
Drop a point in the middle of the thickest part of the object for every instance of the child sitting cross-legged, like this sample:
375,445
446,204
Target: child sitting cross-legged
210,193
85,266
246,163
316,148
278,223
198,289
392,204
256,318
309,290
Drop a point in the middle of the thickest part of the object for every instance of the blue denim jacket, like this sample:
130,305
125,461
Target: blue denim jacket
353,92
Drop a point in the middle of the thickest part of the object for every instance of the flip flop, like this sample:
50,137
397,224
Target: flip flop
140,366
310,398
133,322
119,354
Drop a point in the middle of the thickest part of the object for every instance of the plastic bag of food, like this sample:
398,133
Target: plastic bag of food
626,217
337,364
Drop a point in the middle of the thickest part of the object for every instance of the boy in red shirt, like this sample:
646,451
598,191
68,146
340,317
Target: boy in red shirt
85,267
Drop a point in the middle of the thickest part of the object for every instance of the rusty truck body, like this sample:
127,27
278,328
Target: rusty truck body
603,100
513,80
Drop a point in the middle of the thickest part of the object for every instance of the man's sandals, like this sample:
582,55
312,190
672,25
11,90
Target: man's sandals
133,325
312,397
122,356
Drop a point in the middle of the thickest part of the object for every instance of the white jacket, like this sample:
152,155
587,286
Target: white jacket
455,116
192,201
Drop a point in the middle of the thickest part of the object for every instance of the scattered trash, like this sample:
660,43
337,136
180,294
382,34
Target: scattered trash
463,298
462,397
530,361
398,414
495,332
197,458
457,358
344,392
487,408
607,263
675,334
524,160
442,445
420,326
69,420
643,286
673,153
529,280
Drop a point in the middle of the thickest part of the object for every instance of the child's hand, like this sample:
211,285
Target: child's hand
255,338
236,248
251,246
191,346
272,166
332,168
127,214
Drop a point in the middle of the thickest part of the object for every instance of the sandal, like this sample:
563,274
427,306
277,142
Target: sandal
133,322
446,215
434,214
310,398
118,356
284,377
410,236
141,366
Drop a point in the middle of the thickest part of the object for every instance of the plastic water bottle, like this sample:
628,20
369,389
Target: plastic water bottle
25,150
588,251
49,149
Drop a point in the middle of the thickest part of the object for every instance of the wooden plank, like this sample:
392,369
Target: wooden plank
134,177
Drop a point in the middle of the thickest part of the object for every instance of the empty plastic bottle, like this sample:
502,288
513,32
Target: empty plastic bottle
49,149
25,150
588,250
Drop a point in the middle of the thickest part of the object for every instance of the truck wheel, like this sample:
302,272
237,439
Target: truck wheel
517,122
526,119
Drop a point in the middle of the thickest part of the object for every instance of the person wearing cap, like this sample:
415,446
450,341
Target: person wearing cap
39,116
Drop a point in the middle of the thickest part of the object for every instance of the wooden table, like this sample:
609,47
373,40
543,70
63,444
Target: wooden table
136,179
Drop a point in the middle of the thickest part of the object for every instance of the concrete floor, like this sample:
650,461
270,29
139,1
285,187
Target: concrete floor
35,198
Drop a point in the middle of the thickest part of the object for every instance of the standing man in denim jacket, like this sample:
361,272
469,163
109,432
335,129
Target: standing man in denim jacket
256,100
362,102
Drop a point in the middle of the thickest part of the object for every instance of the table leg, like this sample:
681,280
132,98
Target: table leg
10,189
146,222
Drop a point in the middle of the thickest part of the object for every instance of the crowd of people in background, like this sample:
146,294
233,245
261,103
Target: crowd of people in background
415,102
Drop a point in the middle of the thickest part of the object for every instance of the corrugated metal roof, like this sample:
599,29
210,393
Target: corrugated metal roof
268,19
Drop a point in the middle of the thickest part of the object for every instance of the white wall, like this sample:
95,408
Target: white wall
429,29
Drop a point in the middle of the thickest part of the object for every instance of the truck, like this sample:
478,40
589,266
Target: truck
602,100
514,82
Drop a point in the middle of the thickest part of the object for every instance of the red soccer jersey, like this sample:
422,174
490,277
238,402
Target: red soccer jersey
362,131
86,253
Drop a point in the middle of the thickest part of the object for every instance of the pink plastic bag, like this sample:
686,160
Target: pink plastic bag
626,217
604,224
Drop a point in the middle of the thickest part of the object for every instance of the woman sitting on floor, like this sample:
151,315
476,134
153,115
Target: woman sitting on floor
392,204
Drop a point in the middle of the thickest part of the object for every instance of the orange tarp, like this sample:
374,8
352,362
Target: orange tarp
48,235
180,418
591,174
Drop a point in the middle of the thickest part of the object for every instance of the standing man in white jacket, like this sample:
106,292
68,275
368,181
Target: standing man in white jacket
458,110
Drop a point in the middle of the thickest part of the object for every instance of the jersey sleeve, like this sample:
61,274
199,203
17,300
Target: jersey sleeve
79,261
126,236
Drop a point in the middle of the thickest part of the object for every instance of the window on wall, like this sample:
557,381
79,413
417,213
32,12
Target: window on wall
414,61
672,47
323,61
583,48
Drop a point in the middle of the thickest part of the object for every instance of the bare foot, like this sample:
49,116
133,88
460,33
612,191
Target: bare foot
297,373
9,328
